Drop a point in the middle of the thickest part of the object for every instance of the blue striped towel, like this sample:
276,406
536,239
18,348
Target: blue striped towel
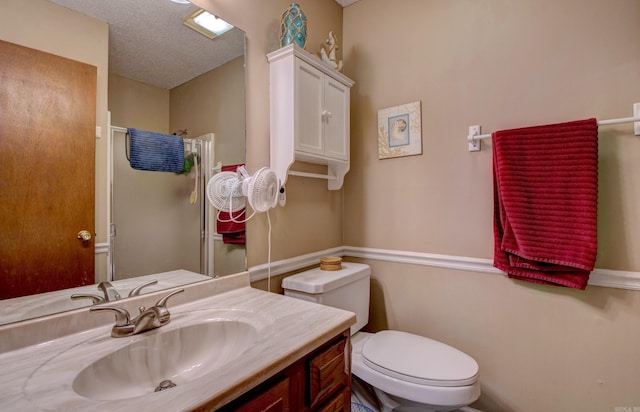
156,152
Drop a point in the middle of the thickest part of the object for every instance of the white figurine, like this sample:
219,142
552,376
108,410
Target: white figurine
328,51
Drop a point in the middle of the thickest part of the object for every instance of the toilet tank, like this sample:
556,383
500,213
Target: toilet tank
346,289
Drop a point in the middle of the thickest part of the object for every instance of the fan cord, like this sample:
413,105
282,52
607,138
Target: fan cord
242,221
269,254
233,218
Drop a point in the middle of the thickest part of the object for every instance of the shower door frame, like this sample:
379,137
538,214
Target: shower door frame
206,152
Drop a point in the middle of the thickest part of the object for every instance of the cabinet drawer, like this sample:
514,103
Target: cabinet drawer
328,372
273,397
339,403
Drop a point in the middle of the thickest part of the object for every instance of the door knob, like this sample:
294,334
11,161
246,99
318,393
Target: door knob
84,235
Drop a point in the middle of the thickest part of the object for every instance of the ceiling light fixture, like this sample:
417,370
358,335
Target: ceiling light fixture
181,1
206,23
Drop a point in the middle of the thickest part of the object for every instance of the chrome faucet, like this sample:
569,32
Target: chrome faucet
109,291
152,318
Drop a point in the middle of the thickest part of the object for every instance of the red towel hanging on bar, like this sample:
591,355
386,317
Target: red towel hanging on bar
545,202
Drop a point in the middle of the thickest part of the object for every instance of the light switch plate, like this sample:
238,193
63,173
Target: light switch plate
636,114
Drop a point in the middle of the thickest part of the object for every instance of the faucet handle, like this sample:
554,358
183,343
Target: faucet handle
136,291
122,316
163,300
95,299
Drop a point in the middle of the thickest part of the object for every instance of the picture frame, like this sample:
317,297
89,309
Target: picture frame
400,131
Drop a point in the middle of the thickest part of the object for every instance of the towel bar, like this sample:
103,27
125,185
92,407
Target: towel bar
314,175
474,137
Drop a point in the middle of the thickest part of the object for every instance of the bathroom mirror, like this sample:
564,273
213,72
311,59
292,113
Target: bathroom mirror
174,78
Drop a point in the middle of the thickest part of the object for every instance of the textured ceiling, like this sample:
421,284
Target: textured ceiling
149,43
345,3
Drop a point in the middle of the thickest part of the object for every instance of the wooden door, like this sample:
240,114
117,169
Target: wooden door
47,171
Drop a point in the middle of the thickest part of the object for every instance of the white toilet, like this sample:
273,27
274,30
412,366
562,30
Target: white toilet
408,372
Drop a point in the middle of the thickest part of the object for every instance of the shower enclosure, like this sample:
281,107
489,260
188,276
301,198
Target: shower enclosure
155,224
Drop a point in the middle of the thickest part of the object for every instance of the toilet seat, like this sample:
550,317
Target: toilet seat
417,359
449,396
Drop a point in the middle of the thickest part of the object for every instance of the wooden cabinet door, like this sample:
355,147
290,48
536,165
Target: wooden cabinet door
47,171
328,373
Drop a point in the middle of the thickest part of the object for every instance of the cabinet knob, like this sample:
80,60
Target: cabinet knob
326,115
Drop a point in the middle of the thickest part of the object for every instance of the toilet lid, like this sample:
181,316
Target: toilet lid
418,359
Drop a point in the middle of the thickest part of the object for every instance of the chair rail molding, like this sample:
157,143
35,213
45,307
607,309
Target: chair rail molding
599,277
102,248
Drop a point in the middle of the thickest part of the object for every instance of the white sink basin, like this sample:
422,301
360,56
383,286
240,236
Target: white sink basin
104,369
179,355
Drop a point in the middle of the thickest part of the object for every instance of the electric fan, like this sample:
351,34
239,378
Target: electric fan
229,191
262,190
224,192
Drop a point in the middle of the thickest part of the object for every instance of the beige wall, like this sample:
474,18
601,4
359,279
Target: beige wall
214,102
139,105
500,64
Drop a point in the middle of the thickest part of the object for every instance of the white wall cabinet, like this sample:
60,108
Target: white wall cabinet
309,106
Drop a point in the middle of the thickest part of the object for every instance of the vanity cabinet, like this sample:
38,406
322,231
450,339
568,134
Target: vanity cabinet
309,108
328,379
274,398
319,382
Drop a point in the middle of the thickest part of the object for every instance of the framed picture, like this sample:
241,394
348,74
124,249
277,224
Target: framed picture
400,131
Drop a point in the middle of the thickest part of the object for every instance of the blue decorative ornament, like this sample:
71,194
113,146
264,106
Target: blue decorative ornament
293,26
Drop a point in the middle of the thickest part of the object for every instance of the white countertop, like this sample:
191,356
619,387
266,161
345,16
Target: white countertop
42,304
297,328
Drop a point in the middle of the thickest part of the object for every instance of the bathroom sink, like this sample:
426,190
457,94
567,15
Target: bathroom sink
179,356
193,345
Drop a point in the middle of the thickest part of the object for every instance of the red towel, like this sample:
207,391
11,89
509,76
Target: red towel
232,232
545,202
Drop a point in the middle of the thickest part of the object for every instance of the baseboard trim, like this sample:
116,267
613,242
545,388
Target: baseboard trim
599,277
